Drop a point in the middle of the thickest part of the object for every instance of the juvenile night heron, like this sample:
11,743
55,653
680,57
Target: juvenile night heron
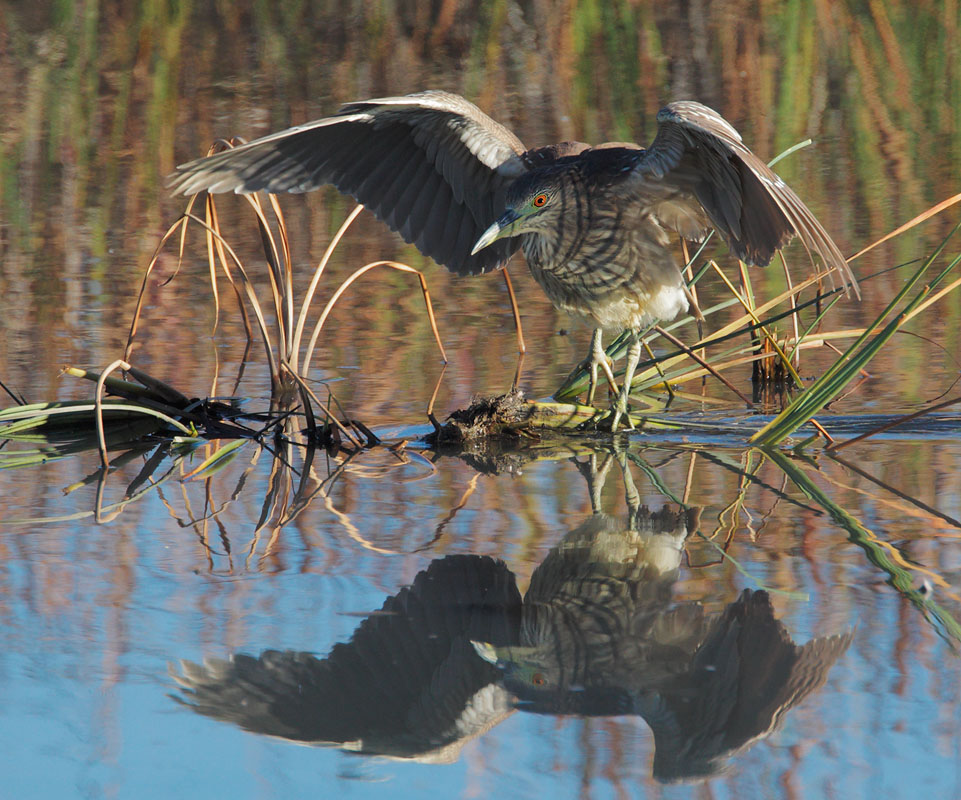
593,222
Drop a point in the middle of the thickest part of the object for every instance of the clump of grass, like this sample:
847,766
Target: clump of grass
132,410
867,345
289,343
144,419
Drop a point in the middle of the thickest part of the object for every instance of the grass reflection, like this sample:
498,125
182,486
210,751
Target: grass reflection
915,582
301,479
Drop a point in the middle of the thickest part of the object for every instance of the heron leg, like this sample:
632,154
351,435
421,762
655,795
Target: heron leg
598,358
620,404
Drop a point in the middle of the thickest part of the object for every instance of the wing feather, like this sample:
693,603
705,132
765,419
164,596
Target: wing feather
699,158
388,153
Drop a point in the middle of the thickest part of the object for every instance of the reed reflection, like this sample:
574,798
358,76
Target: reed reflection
598,633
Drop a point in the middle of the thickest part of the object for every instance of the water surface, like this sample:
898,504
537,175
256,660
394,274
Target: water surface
852,557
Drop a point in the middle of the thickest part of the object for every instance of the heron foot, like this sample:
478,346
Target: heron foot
597,358
591,365
620,408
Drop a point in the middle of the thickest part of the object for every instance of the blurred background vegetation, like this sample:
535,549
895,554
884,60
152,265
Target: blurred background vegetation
100,100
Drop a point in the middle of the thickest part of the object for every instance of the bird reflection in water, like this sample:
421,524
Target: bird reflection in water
598,633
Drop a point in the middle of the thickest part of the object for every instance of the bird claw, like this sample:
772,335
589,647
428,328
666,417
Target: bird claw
591,365
620,408
598,358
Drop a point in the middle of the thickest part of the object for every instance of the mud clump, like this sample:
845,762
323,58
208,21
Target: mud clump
507,416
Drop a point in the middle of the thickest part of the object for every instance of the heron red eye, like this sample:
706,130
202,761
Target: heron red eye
538,678
540,201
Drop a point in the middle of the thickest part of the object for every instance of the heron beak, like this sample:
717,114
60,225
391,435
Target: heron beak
506,657
500,229
486,651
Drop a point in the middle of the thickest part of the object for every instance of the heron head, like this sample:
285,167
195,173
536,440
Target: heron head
523,668
539,685
532,204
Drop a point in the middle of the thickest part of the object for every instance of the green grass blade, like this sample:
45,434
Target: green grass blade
37,414
216,462
864,348
906,578
813,325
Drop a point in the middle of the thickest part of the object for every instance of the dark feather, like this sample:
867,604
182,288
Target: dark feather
698,154
405,684
466,159
438,170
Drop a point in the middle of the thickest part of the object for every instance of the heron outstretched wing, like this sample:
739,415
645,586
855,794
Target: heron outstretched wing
431,165
746,674
698,157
